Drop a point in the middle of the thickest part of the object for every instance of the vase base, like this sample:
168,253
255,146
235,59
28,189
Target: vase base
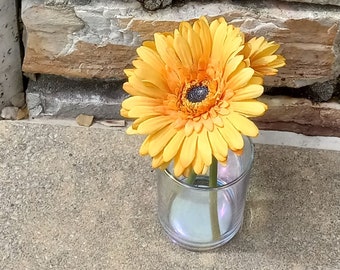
199,246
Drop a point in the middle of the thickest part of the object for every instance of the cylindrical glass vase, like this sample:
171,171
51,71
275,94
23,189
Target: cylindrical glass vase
198,217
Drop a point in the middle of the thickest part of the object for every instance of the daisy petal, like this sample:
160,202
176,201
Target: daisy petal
178,167
136,87
183,50
198,164
160,139
201,27
231,135
131,102
243,124
141,111
248,92
150,57
173,146
219,145
252,108
241,79
219,37
144,149
157,161
188,150
166,52
153,125
204,148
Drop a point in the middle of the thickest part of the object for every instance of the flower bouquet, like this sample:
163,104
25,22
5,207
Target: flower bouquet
192,93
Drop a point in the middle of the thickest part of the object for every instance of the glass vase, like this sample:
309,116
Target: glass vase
198,217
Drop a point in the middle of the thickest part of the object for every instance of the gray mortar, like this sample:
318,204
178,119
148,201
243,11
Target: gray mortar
10,59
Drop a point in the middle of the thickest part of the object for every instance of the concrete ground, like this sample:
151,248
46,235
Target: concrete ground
82,198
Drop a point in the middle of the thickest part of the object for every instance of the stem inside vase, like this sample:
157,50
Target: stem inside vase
215,226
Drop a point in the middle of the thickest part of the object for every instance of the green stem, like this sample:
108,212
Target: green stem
215,226
213,173
192,177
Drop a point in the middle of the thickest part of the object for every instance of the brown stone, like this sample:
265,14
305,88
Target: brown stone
85,120
99,40
300,116
89,61
23,113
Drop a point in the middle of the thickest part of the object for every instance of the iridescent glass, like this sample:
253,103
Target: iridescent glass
201,218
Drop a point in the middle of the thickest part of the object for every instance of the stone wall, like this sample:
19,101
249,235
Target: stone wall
96,40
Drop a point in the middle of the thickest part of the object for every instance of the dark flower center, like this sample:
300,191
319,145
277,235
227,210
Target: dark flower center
197,93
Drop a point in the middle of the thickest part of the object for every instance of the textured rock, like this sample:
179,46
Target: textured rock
98,40
155,4
52,96
300,116
9,113
18,100
320,92
10,59
321,2
65,2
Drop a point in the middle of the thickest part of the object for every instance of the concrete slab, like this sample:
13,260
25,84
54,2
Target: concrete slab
82,198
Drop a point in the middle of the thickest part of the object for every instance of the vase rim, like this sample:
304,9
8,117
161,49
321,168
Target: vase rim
248,167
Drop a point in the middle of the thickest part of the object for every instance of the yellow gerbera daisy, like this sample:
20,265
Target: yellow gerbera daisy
259,55
192,92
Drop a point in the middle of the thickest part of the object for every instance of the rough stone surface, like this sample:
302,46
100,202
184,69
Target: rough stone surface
18,100
66,2
322,91
98,40
300,116
10,58
9,113
319,2
155,4
22,113
52,96
82,198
